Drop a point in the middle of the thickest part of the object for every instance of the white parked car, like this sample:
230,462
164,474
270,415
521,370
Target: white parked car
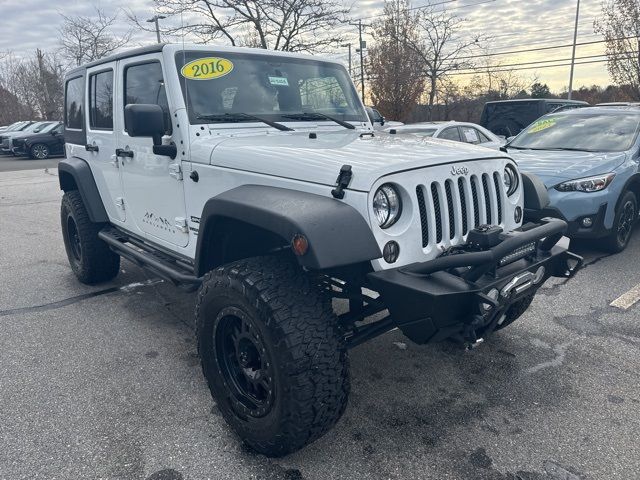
256,177
456,131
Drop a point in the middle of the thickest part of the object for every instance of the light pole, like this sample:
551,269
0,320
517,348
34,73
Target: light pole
349,46
573,54
155,19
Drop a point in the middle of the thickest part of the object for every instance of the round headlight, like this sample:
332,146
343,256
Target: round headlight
387,206
510,177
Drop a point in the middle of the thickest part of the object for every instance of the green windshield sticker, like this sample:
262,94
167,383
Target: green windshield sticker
279,81
541,125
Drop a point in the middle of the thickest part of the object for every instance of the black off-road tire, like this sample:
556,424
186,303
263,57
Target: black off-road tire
515,311
90,258
303,352
626,217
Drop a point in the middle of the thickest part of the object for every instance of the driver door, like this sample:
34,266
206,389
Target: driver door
153,187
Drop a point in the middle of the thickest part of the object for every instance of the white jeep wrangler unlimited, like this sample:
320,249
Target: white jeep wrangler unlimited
256,177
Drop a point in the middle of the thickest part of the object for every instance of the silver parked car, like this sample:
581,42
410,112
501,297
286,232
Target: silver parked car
456,131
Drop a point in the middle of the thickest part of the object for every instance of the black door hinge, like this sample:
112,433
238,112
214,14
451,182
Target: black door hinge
342,182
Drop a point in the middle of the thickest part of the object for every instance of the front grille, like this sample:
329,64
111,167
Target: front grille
423,216
436,210
458,207
487,201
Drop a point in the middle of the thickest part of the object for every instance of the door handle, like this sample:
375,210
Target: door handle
91,148
120,152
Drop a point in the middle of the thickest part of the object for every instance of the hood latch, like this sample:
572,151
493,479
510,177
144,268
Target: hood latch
342,182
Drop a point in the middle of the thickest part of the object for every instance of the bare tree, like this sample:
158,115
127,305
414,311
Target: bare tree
289,25
31,87
620,26
396,80
440,48
84,39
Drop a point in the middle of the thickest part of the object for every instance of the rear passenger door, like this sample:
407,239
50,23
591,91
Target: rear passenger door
101,139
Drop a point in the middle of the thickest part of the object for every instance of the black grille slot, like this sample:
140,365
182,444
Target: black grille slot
423,216
496,180
452,221
463,206
476,203
487,200
437,212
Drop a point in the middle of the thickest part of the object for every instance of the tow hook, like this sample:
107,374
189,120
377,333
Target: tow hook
471,345
518,284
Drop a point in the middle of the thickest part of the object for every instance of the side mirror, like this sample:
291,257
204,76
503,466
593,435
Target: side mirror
147,120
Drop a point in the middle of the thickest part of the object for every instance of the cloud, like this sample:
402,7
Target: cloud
26,25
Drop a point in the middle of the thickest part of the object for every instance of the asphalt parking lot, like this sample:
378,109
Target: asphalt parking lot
104,381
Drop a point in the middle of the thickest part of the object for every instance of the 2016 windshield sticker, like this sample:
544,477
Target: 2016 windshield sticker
542,125
207,68
279,81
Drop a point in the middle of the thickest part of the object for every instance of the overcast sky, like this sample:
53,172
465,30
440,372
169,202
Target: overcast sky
514,24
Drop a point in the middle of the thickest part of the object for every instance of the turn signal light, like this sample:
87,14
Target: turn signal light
299,244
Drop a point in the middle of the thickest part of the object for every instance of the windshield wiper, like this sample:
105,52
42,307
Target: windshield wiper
315,116
567,149
239,117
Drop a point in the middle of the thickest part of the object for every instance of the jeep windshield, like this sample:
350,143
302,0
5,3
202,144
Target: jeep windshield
604,132
243,87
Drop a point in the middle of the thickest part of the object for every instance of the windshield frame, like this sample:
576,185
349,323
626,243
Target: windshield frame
578,115
357,114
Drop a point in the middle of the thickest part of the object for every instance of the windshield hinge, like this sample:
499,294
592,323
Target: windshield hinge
175,171
342,182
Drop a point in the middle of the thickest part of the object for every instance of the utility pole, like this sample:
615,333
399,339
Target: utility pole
573,55
349,46
155,19
363,45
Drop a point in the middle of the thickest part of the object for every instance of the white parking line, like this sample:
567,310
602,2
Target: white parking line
627,300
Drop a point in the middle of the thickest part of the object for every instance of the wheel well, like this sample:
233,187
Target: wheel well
634,186
67,182
227,240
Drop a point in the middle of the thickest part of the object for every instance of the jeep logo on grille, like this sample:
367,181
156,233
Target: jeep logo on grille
459,170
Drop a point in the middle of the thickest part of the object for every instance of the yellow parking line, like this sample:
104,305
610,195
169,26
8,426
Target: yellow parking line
627,300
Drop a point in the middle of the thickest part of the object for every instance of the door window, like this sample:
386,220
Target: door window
101,100
451,133
73,103
144,84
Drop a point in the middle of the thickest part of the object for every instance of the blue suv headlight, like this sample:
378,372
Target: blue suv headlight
587,185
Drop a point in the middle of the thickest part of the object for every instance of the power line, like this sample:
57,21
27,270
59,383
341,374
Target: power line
459,73
540,49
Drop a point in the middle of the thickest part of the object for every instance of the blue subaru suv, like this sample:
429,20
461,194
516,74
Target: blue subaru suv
588,160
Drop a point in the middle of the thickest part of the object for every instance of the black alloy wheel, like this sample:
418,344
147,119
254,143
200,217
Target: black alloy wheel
625,220
244,362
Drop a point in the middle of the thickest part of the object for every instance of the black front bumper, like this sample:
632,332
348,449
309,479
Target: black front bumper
441,298
575,229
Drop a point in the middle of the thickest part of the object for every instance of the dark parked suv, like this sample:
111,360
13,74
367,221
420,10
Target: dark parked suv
509,117
49,141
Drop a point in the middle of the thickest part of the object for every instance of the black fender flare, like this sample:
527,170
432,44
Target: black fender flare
337,233
536,196
75,174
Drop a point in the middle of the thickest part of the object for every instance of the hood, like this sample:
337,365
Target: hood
554,166
294,155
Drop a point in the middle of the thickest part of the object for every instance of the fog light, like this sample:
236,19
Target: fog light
391,251
517,214
587,222
539,275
